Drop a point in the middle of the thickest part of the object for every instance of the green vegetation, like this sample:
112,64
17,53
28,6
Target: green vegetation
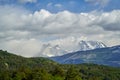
13,67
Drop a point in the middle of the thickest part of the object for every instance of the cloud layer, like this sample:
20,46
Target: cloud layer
24,32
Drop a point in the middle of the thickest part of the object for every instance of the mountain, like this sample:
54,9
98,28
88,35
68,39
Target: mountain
105,56
64,46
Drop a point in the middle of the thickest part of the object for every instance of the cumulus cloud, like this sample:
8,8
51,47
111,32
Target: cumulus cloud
24,32
110,21
102,3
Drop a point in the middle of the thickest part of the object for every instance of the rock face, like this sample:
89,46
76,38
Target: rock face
61,47
105,56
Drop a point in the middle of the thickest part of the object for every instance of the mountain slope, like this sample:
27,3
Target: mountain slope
106,56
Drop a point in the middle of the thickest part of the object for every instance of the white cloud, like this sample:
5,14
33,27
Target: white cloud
110,21
58,5
49,4
54,6
27,1
19,27
102,3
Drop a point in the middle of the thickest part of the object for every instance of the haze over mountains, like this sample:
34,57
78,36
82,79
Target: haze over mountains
67,45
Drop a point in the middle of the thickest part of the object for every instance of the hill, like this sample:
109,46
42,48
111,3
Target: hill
14,62
13,67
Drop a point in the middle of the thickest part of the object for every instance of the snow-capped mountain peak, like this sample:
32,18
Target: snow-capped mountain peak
61,47
88,45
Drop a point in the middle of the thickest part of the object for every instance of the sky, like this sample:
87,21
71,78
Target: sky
27,24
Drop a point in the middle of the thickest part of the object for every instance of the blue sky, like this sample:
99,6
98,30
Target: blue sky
60,5
38,22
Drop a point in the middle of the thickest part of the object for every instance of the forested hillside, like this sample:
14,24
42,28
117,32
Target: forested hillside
13,67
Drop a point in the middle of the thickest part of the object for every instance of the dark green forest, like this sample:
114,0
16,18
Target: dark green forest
14,67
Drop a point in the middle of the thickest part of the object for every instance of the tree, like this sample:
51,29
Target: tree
72,74
41,74
58,71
